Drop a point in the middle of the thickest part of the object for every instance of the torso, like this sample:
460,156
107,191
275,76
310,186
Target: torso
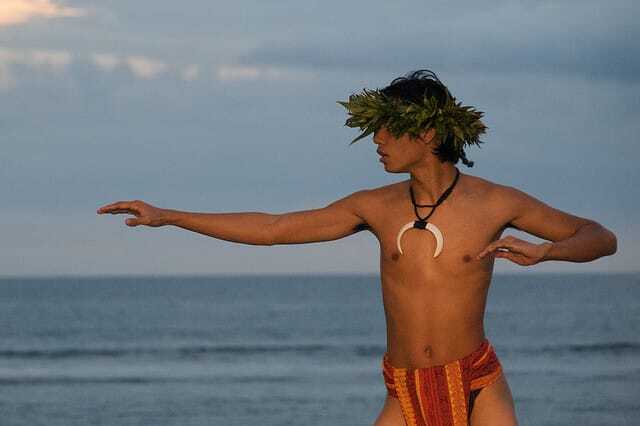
434,307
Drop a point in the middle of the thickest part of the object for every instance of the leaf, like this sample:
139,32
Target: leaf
362,136
371,109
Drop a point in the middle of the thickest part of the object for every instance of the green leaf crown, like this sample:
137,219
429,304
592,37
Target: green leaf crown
372,109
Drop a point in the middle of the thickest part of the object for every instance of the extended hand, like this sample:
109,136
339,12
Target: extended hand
146,214
516,250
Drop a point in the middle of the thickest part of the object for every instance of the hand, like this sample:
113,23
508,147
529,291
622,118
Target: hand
518,251
146,214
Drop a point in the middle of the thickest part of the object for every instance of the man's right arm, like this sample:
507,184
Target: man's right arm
239,227
337,220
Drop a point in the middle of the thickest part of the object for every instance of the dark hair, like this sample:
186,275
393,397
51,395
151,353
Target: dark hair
412,88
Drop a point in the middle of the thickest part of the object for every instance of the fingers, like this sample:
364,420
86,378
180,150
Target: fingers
515,258
109,208
504,243
505,255
488,249
131,207
116,211
118,207
495,250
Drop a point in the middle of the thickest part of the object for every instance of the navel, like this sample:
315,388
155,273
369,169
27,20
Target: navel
427,351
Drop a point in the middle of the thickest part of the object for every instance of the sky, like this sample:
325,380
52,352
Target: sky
210,106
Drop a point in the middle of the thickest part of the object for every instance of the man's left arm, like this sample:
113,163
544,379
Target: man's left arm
570,238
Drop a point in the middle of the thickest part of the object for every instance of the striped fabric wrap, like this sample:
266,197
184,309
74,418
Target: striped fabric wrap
442,395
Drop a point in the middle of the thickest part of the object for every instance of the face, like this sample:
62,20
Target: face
401,155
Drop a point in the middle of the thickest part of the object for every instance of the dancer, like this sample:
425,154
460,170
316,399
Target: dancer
439,367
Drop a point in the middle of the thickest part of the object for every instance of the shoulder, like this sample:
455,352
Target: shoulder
499,200
378,193
368,203
509,198
475,189
489,190
383,194
504,199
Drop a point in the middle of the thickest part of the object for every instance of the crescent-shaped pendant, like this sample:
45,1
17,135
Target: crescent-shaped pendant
430,227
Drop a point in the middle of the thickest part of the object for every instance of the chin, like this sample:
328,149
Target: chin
390,170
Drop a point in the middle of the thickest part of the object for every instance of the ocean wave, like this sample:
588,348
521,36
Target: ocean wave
187,351
132,379
337,349
616,348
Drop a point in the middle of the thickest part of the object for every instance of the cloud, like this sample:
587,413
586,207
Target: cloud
607,59
14,12
140,66
555,38
54,60
43,60
105,61
144,67
259,72
190,72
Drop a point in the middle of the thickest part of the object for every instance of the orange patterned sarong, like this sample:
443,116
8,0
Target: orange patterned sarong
442,395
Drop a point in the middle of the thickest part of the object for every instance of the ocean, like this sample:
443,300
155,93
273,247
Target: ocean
294,350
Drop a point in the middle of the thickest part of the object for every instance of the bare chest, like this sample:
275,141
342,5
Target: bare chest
464,223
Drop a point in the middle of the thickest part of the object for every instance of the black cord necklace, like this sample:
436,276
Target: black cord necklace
422,223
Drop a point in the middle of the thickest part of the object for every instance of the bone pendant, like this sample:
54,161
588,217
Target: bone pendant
422,225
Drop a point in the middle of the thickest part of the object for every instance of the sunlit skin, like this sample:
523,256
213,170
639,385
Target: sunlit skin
434,307
414,156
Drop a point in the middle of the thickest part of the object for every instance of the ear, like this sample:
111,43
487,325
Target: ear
428,136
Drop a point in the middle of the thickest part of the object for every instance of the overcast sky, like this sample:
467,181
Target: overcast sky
231,106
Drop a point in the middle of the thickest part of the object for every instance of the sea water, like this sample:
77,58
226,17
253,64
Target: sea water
294,350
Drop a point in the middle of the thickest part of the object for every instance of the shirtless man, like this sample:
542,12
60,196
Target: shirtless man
434,306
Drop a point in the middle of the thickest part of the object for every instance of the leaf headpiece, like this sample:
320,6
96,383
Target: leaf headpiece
371,109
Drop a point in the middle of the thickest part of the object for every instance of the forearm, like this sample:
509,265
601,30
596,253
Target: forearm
590,242
242,227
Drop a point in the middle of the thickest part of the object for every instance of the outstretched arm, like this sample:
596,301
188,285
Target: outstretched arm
243,227
572,238
337,220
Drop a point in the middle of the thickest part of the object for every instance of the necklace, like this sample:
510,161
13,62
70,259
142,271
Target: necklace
422,223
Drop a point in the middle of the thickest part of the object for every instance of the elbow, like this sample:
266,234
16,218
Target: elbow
612,243
609,240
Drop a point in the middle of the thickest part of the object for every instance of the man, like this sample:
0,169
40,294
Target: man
439,233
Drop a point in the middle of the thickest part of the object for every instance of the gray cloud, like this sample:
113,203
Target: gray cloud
611,58
567,37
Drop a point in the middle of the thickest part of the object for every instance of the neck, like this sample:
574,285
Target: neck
429,183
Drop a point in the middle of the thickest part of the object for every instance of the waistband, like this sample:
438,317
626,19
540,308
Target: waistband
471,359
